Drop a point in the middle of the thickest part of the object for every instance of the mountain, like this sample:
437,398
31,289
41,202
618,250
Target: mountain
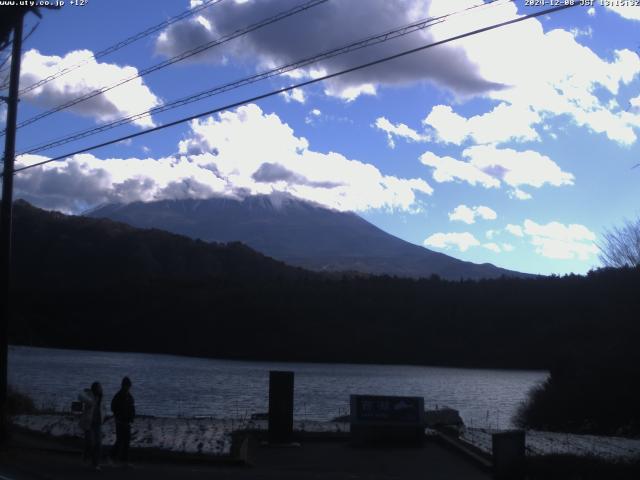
298,233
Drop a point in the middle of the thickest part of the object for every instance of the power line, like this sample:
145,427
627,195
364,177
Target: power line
299,85
369,41
178,58
121,44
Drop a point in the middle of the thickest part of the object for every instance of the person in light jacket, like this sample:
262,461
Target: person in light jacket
91,420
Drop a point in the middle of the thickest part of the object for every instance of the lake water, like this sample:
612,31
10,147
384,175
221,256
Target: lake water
166,385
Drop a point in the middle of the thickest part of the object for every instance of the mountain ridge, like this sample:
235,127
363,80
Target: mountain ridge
299,233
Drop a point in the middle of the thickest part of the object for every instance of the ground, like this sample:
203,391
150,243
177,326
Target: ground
29,459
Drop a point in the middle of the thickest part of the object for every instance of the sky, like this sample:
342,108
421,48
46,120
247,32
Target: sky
515,146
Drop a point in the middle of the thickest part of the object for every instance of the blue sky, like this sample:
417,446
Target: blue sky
514,147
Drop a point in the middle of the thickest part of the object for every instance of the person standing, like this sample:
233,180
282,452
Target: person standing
124,411
91,422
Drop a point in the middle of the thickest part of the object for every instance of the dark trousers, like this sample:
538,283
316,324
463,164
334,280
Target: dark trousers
120,450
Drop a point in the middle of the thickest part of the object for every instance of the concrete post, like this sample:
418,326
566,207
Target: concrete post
509,454
280,407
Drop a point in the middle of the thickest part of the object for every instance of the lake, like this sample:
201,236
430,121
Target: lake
166,385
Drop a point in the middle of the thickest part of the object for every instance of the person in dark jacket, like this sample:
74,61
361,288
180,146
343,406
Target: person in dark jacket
124,411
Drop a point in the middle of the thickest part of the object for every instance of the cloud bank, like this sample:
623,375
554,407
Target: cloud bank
447,66
217,160
572,82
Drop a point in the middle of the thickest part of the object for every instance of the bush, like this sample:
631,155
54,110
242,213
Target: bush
596,394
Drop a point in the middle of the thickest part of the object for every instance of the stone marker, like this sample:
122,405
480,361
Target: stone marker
443,417
280,407
508,454
386,419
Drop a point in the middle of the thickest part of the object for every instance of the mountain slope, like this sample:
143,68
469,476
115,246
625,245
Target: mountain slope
298,233
53,249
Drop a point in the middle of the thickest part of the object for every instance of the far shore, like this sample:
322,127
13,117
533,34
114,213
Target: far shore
285,361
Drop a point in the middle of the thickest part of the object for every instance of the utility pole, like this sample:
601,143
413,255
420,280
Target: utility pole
5,218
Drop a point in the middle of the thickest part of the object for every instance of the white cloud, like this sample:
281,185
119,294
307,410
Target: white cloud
217,160
520,194
582,32
295,95
85,181
574,82
351,93
559,241
448,169
461,241
494,247
203,21
313,116
507,247
502,124
555,240
462,213
485,213
468,215
630,12
490,167
398,130
515,230
518,168
128,99
591,12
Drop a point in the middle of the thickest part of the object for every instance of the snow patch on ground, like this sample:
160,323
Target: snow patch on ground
203,435
545,443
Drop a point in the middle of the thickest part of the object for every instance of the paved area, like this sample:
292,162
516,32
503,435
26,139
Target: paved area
312,460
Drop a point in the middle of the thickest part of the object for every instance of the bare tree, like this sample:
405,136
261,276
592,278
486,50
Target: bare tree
621,245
